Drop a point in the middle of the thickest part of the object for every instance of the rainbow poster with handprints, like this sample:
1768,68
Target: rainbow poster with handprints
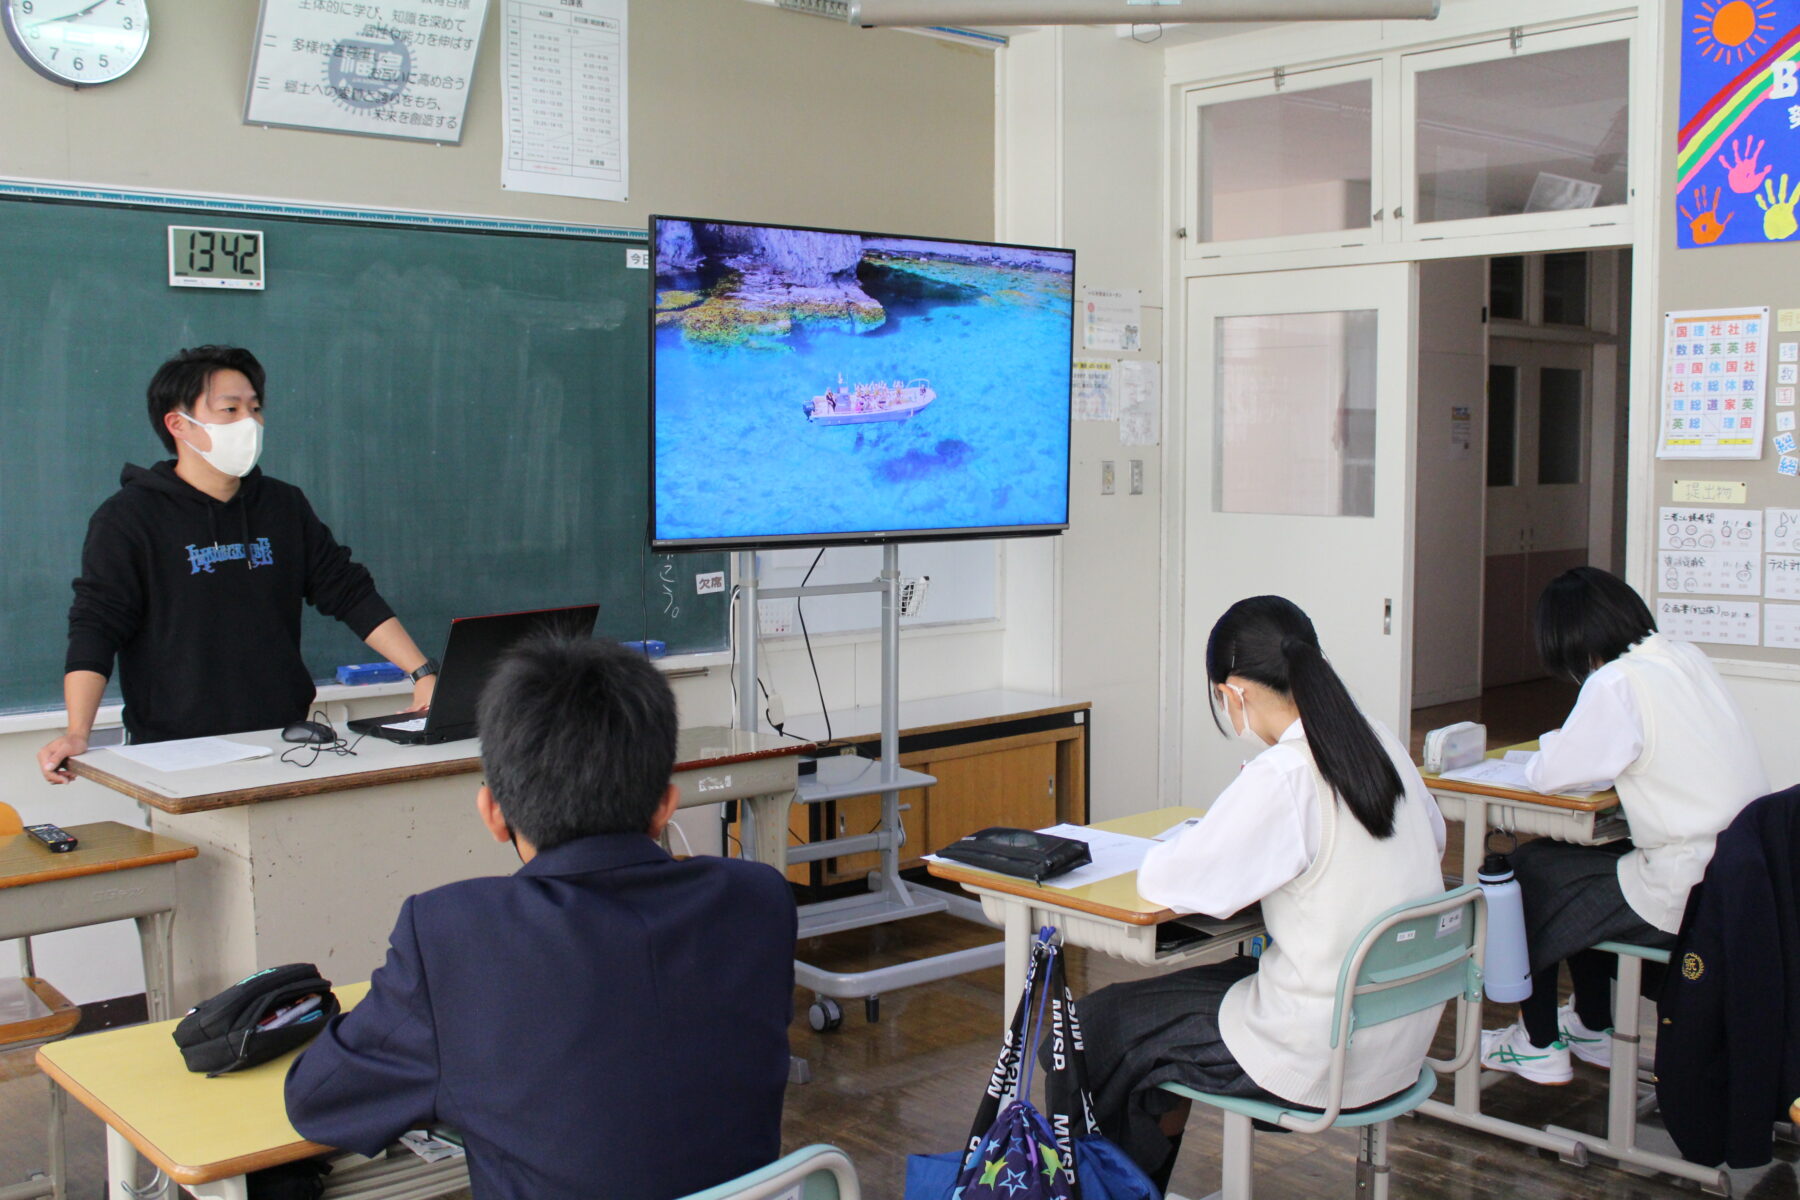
1738,150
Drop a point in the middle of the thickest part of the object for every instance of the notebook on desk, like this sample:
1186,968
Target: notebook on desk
470,655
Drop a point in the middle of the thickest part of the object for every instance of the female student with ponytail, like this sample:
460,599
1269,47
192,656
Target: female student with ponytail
1328,827
1653,716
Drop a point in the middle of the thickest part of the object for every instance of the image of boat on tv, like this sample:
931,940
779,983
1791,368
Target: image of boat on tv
831,383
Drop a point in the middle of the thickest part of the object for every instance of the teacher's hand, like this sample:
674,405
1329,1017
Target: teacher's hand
52,759
422,693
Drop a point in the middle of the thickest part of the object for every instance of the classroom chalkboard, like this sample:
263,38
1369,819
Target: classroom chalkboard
466,409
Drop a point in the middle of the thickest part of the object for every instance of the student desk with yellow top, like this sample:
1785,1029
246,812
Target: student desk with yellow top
1108,916
116,873
207,1134
1588,821
310,863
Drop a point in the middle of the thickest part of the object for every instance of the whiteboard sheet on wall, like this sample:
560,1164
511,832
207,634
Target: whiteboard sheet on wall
965,583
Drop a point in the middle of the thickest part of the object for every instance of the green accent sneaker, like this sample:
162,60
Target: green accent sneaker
1511,1050
1589,1045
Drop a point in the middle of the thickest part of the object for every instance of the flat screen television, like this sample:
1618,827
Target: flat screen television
813,386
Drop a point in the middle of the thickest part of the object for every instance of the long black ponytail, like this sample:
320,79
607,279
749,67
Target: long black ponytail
1269,640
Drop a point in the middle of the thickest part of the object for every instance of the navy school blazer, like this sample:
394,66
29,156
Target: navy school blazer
606,1021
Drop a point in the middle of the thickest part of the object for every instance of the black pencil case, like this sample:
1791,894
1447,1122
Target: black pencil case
1020,852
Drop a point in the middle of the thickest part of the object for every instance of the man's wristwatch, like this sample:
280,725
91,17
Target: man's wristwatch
428,667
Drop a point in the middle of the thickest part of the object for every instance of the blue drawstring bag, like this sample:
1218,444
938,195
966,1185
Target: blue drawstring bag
1013,1151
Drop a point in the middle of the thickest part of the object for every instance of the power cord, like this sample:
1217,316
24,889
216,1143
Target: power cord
800,611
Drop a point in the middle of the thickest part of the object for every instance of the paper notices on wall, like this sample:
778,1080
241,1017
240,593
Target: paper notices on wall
1710,572
1781,627
1140,403
1112,318
566,127
1709,529
1781,577
1714,362
1783,536
1092,392
393,70
1732,623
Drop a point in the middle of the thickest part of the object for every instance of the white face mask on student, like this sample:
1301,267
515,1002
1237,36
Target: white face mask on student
236,445
1245,734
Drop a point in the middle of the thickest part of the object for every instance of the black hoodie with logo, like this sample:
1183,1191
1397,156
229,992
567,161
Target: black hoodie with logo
200,602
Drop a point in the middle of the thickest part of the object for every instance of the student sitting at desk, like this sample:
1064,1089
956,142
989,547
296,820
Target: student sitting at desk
1328,827
193,573
607,1021
1654,717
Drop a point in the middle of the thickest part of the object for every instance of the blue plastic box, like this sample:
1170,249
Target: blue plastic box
375,672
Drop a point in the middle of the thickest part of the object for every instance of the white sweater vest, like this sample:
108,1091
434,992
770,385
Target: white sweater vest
1277,1022
1698,769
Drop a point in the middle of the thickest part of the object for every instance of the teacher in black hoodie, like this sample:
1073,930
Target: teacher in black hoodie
193,573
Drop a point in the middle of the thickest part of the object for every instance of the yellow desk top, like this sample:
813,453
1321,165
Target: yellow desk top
105,846
196,1129
1116,899
1598,802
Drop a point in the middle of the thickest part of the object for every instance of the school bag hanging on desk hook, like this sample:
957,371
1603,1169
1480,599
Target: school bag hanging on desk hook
1013,1151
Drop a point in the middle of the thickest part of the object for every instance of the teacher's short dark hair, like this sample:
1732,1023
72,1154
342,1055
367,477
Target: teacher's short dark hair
181,380
577,739
1586,618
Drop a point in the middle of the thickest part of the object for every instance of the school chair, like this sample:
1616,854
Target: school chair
1412,957
816,1172
30,1031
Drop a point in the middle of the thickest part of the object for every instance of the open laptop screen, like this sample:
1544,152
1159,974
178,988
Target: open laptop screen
474,649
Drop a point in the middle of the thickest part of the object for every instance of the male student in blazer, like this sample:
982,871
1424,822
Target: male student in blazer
606,1021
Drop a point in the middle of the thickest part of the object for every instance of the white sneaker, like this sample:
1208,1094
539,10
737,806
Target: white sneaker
1510,1050
1589,1045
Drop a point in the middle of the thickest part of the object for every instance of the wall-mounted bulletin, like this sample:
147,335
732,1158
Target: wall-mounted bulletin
1714,361
1737,150
392,71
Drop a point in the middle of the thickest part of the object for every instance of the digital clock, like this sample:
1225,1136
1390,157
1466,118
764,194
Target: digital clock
215,258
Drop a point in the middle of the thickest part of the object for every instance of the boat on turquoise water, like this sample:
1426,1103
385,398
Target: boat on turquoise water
854,405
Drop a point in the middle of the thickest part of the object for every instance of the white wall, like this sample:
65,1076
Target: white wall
738,110
1084,109
1452,484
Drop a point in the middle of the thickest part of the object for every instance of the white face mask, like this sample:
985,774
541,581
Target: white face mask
1245,734
235,446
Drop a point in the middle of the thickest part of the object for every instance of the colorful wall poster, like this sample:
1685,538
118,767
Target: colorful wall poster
1737,160
1714,363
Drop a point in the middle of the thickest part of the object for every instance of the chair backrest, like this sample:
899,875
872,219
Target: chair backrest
9,820
820,1172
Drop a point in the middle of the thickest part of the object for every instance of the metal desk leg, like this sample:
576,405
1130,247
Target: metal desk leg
121,1166
1019,932
59,1155
769,828
1622,1094
156,941
235,1188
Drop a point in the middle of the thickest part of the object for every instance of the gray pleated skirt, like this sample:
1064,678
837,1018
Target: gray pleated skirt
1572,900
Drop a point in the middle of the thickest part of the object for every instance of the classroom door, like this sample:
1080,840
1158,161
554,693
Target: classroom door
1539,430
1299,446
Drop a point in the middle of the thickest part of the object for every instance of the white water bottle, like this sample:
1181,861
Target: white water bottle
1507,964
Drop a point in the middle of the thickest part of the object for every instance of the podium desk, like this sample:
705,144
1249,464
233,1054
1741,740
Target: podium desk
310,864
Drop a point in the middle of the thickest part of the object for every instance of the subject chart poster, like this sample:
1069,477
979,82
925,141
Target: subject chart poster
1714,365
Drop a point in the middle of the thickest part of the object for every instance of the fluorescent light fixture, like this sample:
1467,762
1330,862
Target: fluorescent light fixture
1107,12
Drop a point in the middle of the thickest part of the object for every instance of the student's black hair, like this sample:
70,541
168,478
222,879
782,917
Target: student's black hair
183,379
1269,640
577,738
1586,618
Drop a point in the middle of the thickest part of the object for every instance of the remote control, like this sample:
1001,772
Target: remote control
57,839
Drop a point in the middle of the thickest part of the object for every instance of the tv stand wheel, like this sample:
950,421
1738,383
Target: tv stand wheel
872,1008
824,1016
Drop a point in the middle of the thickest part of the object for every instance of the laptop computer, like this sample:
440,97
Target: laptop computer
470,655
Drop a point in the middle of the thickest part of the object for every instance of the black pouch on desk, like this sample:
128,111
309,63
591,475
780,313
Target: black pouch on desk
222,1035
1020,852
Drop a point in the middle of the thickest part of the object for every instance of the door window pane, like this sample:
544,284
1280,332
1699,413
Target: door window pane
1295,162
1559,425
1506,288
1296,414
1503,425
1529,133
1565,289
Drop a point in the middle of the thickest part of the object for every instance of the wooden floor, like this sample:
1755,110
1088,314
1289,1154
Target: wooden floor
909,1083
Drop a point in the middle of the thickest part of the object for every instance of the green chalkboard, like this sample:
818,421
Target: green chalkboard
465,409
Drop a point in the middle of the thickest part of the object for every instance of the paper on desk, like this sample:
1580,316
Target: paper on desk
1522,756
1114,854
1509,772
187,753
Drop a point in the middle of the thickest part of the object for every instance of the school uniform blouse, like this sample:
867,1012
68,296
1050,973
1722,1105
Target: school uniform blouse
1261,832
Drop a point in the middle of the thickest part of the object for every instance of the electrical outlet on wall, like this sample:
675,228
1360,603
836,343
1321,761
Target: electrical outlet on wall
774,618
1108,485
